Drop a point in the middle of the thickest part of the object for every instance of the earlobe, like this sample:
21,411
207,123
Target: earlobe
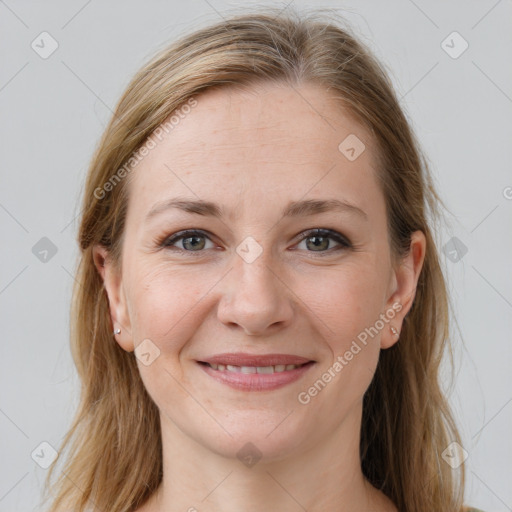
405,281
112,282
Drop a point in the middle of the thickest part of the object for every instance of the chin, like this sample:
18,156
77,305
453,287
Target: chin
255,439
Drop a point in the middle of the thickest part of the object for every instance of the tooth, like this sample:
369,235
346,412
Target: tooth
253,369
265,369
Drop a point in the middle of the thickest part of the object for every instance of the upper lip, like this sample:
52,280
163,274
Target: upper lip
243,359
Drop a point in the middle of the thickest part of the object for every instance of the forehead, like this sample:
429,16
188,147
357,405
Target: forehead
255,144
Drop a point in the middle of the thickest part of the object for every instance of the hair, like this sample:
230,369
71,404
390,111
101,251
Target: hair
114,452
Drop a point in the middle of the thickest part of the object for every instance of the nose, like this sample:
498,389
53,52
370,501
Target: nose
255,298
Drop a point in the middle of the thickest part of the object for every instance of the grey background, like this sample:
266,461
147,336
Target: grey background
52,114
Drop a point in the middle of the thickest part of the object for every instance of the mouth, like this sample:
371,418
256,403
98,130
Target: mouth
278,368
256,373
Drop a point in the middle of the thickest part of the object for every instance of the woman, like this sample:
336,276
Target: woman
260,314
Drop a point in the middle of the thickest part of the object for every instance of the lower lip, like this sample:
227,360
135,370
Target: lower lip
256,381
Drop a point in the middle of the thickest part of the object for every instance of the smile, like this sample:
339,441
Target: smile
255,378
278,368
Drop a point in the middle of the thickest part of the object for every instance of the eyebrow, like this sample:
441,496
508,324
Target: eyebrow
302,208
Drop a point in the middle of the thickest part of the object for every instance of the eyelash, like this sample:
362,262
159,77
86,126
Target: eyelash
343,242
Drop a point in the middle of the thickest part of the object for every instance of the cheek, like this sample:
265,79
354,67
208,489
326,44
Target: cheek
164,303
164,308
347,301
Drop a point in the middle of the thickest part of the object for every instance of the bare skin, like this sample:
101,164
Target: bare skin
252,152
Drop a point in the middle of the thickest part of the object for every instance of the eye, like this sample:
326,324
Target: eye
191,240
319,240
315,240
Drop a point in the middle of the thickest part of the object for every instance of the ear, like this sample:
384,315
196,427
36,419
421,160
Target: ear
402,290
113,284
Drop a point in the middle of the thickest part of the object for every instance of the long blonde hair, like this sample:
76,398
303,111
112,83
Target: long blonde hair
114,453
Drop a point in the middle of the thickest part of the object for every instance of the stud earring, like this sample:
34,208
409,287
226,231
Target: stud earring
394,331
117,331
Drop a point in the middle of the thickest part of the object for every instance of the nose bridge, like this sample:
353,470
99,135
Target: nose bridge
254,297
256,278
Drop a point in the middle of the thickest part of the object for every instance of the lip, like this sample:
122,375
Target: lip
244,359
256,381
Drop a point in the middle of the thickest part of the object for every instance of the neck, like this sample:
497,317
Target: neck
326,477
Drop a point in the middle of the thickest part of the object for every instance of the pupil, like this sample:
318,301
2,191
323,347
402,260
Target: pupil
193,245
319,241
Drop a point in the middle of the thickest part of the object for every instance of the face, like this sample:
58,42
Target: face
245,270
